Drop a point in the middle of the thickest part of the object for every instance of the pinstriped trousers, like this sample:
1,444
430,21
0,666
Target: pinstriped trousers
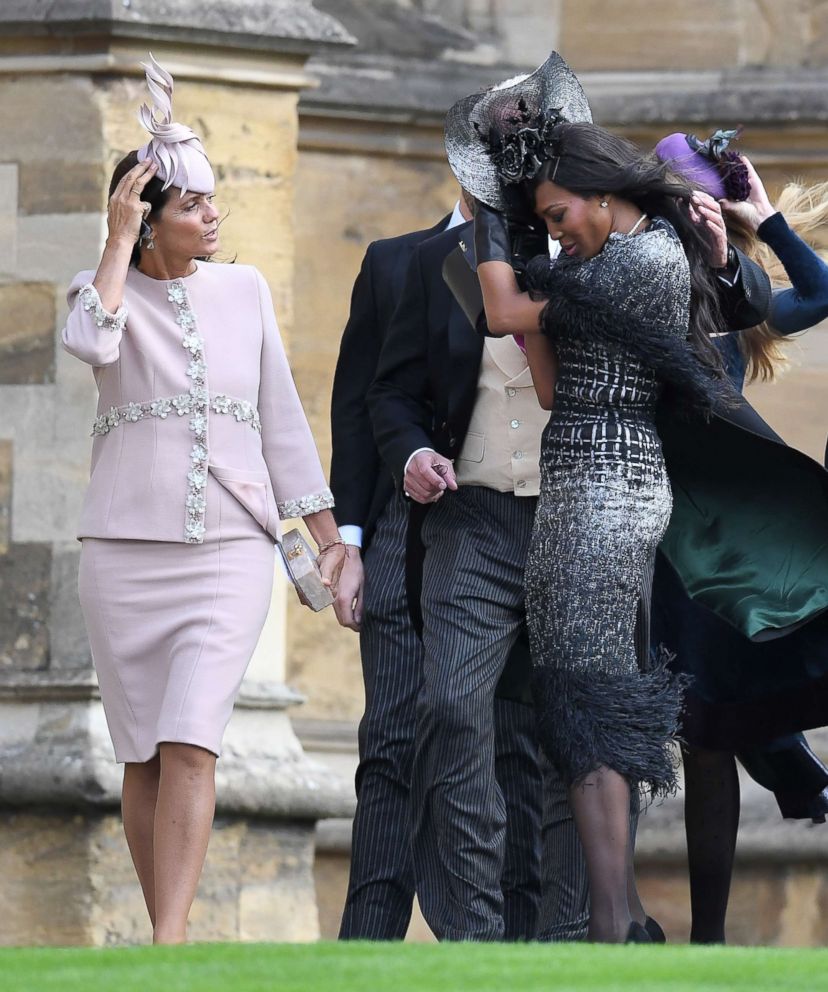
381,885
473,609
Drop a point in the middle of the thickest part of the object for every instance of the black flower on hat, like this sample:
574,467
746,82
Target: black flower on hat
478,127
519,152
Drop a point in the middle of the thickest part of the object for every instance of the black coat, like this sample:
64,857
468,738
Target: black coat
423,397
748,540
424,391
360,482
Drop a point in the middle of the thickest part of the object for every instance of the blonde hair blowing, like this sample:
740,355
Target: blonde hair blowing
806,210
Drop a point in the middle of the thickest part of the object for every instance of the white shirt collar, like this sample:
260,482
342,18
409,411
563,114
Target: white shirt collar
456,218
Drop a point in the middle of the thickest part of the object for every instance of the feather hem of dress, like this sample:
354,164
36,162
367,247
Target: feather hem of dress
626,721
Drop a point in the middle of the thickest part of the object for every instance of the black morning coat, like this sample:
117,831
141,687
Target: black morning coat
360,482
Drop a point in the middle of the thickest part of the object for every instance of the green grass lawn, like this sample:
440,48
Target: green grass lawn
412,968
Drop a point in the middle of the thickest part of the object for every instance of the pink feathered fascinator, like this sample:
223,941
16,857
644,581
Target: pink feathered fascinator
175,148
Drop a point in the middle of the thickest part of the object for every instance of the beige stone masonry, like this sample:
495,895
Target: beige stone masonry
27,324
8,217
68,880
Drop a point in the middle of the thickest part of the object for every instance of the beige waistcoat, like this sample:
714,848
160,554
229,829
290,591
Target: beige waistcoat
502,447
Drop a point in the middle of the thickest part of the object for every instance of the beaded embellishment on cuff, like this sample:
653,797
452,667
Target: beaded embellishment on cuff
106,321
292,508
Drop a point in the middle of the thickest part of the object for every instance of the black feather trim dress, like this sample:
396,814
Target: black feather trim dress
619,324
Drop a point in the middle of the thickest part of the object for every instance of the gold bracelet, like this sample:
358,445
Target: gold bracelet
331,544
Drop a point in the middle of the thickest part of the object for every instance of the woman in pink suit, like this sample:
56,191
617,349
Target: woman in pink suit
201,447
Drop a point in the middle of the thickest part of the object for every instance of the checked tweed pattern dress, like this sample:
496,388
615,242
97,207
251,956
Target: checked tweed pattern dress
619,322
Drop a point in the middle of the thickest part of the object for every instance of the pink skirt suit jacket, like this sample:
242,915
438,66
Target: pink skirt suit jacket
201,447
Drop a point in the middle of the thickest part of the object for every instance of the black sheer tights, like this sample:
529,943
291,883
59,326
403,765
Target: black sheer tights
601,808
711,822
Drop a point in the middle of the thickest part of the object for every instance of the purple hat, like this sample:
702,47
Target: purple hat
709,164
175,148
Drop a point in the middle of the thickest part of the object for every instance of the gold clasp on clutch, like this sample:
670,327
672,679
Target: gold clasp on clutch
295,552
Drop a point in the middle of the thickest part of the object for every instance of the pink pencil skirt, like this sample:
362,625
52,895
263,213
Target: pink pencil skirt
172,628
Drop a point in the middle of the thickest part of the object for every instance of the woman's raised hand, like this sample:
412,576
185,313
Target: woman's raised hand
126,208
126,211
757,207
705,210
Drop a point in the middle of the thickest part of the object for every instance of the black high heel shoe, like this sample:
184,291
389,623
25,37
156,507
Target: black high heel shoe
638,934
797,777
657,935
795,806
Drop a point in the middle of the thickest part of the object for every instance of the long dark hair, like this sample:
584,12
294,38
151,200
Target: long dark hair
590,161
761,345
153,193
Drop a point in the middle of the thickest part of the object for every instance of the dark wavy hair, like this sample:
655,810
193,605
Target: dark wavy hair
153,193
590,161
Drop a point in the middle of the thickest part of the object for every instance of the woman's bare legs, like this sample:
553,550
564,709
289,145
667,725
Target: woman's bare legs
138,798
183,819
167,805
601,807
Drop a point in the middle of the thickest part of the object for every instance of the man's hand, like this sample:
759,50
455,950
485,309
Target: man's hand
704,209
348,602
428,476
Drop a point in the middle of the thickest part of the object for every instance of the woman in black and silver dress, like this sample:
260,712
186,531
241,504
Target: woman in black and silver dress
627,312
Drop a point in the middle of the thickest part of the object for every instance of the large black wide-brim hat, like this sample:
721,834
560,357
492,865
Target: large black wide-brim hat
551,86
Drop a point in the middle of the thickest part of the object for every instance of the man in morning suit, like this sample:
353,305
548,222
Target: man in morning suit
440,389
373,521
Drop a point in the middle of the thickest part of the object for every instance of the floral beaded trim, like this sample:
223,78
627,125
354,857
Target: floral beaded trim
199,410
244,412
292,508
91,303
